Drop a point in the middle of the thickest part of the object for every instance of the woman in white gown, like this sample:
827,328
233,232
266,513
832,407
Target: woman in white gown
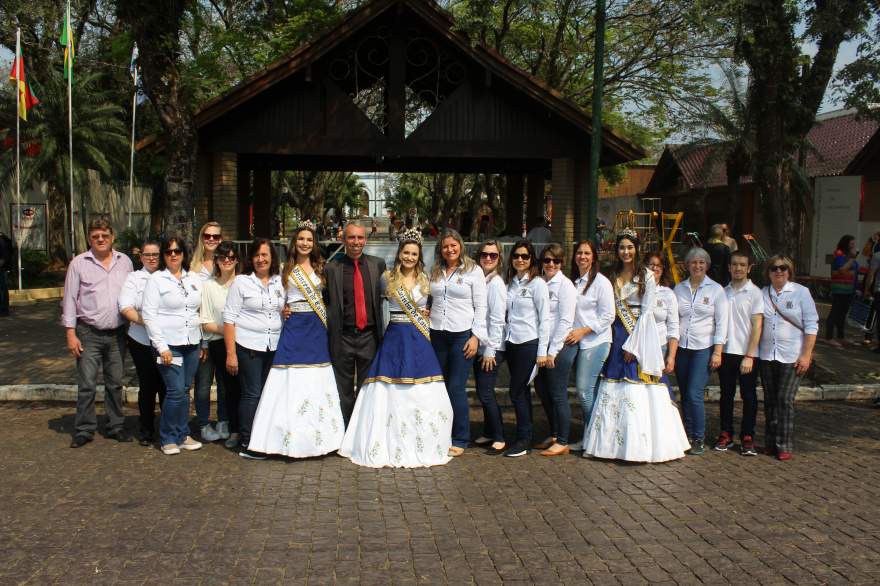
402,417
299,414
633,418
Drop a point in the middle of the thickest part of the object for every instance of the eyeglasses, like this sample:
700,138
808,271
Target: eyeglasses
100,236
226,258
548,260
779,268
212,236
655,266
520,256
173,251
149,255
489,255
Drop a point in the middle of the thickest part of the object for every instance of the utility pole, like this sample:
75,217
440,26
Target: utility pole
596,138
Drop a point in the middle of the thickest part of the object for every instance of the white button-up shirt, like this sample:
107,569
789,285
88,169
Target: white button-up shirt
743,303
496,316
459,302
256,311
594,309
702,314
562,307
528,312
132,295
171,309
780,340
666,314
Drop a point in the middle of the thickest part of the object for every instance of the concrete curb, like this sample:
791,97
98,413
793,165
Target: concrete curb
28,296
67,393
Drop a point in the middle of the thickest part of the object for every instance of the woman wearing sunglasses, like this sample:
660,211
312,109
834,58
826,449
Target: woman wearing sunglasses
527,337
203,265
786,351
491,353
172,299
551,384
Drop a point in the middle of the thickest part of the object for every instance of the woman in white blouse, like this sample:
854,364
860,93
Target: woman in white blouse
215,290
172,298
591,331
702,311
131,300
551,384
202,265
251,328
458,325
527,338
665,313
491,353
786,350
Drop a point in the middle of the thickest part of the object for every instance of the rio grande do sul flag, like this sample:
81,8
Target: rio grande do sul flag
66,41
26,98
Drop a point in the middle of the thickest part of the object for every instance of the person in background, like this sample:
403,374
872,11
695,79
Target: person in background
786,350
214,293
739,361
703,321
665,313
202,266
728,238
131,301
490,354
96,331
871,291
458,325
844,278
251,328
591,330
5,266
172,299
527,337
719,255
539,234
551,383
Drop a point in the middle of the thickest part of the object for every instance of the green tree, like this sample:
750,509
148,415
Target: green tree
861,78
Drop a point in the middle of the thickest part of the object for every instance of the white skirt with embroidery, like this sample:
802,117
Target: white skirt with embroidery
399,425
298,415
635,422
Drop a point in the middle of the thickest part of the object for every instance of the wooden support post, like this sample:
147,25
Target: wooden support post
534,198
262,202
513,204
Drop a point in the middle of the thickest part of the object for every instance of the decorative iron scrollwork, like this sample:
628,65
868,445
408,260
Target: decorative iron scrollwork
362,72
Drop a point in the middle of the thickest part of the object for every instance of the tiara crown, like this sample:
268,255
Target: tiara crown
410,235
307,224
628,233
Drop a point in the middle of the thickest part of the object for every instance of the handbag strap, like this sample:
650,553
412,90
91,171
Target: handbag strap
782,315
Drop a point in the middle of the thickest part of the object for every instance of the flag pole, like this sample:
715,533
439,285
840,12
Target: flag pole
69,59
131,164
18,150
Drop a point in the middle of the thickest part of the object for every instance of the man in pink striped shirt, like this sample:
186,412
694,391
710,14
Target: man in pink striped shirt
96,331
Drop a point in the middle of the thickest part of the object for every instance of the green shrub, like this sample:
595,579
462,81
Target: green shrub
33,262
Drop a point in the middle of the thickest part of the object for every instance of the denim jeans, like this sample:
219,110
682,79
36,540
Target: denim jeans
104,349
551,384
589,363
253,370
728,375
521,360
174,422
204,378
692,372
493,424
448,346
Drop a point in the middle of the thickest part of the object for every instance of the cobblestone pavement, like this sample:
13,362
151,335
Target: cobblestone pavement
121,513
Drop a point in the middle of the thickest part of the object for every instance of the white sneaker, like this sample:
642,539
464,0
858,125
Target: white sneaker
190,444
209,434
170,449
578,447
223,429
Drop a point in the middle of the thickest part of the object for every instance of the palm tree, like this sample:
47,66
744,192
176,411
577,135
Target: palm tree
100,142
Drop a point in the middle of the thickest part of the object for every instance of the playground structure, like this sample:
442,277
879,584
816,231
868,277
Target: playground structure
657,230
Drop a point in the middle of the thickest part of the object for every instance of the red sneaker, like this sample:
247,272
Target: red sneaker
747,447
724,442
784,456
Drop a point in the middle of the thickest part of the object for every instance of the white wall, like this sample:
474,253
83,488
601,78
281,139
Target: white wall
837,201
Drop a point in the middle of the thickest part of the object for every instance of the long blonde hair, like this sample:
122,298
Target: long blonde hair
198,257
395,278
466,262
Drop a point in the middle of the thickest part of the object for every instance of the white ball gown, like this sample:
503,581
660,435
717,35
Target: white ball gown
402,416
299,414
633,418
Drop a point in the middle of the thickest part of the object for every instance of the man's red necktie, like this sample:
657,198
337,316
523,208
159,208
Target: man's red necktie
360,303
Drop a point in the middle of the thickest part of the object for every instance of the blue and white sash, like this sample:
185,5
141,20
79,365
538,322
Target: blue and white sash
621,307
307,288
408,304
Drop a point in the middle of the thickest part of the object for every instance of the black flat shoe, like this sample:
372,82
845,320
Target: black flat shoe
119,436
145,438
79,441
490,451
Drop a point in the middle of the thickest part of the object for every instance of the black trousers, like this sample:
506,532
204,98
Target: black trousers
351,365
728,376
837,316
253,370
217,350
149,382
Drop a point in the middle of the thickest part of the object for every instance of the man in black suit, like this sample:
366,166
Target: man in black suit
354,314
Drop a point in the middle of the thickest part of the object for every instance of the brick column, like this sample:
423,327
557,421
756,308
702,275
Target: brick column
222,205
569,182
513,204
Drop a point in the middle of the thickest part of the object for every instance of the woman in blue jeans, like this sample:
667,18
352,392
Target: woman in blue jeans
458,325
170,311
251,328
591,331
551,384
491,354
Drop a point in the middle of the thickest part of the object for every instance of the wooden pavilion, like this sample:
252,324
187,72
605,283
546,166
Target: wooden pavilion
394,87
